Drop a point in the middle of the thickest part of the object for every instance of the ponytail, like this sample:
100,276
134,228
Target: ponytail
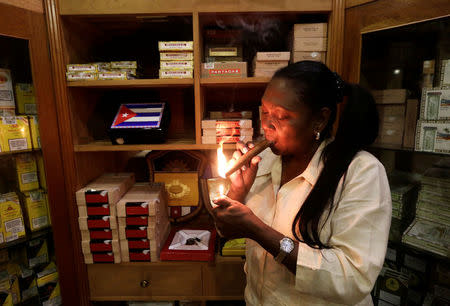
358,128
317,86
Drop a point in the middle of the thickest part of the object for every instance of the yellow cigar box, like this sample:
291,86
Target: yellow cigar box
25,99
26,169
48,208
35,135
41,170
124,65
14,133
36,211
2,231
11,217
6,88
181,187
102,66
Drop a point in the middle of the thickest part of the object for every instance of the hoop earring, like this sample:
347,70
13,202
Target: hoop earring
317,135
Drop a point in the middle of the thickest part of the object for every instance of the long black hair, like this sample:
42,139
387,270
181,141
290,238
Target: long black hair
317,86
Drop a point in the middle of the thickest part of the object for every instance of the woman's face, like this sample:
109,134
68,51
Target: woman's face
286,121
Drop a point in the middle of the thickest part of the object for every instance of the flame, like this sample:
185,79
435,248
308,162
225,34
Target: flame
221,160
221,190
222,163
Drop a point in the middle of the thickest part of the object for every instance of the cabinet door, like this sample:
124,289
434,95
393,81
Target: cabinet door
24,58
400,51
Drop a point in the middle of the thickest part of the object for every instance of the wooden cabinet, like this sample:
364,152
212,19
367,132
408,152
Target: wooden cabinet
222,279
24,22
388,45
87,31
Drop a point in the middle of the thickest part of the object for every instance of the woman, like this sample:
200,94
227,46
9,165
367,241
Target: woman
317,210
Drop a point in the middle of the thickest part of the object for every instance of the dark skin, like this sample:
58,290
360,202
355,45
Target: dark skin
292,128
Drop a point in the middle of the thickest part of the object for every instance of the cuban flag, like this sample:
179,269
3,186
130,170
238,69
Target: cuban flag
142,115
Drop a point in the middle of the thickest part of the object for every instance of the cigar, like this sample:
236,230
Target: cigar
244,159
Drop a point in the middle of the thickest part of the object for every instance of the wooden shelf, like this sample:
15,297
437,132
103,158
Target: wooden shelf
237,82
401,148
29,236
19,151
137,83
102,146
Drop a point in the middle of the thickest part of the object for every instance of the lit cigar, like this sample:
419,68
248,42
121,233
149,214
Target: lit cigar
244,159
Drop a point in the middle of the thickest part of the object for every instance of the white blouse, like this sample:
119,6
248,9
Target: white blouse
357,231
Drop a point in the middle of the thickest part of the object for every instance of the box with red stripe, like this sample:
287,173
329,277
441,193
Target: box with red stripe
102,257
144,199
101,251
142,243
106,189
100,233
97,222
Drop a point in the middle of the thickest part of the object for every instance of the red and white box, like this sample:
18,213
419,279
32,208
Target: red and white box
225,139
107,189
227,132
224,69
101,251
226,124
100,233
143,222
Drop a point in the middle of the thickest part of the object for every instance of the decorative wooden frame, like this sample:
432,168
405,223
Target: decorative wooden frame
201,160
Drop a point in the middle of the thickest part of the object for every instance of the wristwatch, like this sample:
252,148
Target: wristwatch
286,247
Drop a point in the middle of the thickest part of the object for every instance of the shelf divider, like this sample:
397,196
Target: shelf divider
136,83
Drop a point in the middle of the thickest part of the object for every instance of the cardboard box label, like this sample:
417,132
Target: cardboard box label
6,89
433,136
435,104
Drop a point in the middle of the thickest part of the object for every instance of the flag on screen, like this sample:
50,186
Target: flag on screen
142,115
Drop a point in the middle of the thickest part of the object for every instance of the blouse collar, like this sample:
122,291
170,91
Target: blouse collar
271,163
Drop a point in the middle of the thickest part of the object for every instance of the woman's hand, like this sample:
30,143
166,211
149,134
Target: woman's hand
233,219
242,179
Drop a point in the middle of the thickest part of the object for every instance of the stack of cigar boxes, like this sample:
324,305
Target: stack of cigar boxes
97,216
177,59
226,131
266,63
309,42
143,222
119,70
398,117
433,126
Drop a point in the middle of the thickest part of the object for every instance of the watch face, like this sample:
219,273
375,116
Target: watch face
287,245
